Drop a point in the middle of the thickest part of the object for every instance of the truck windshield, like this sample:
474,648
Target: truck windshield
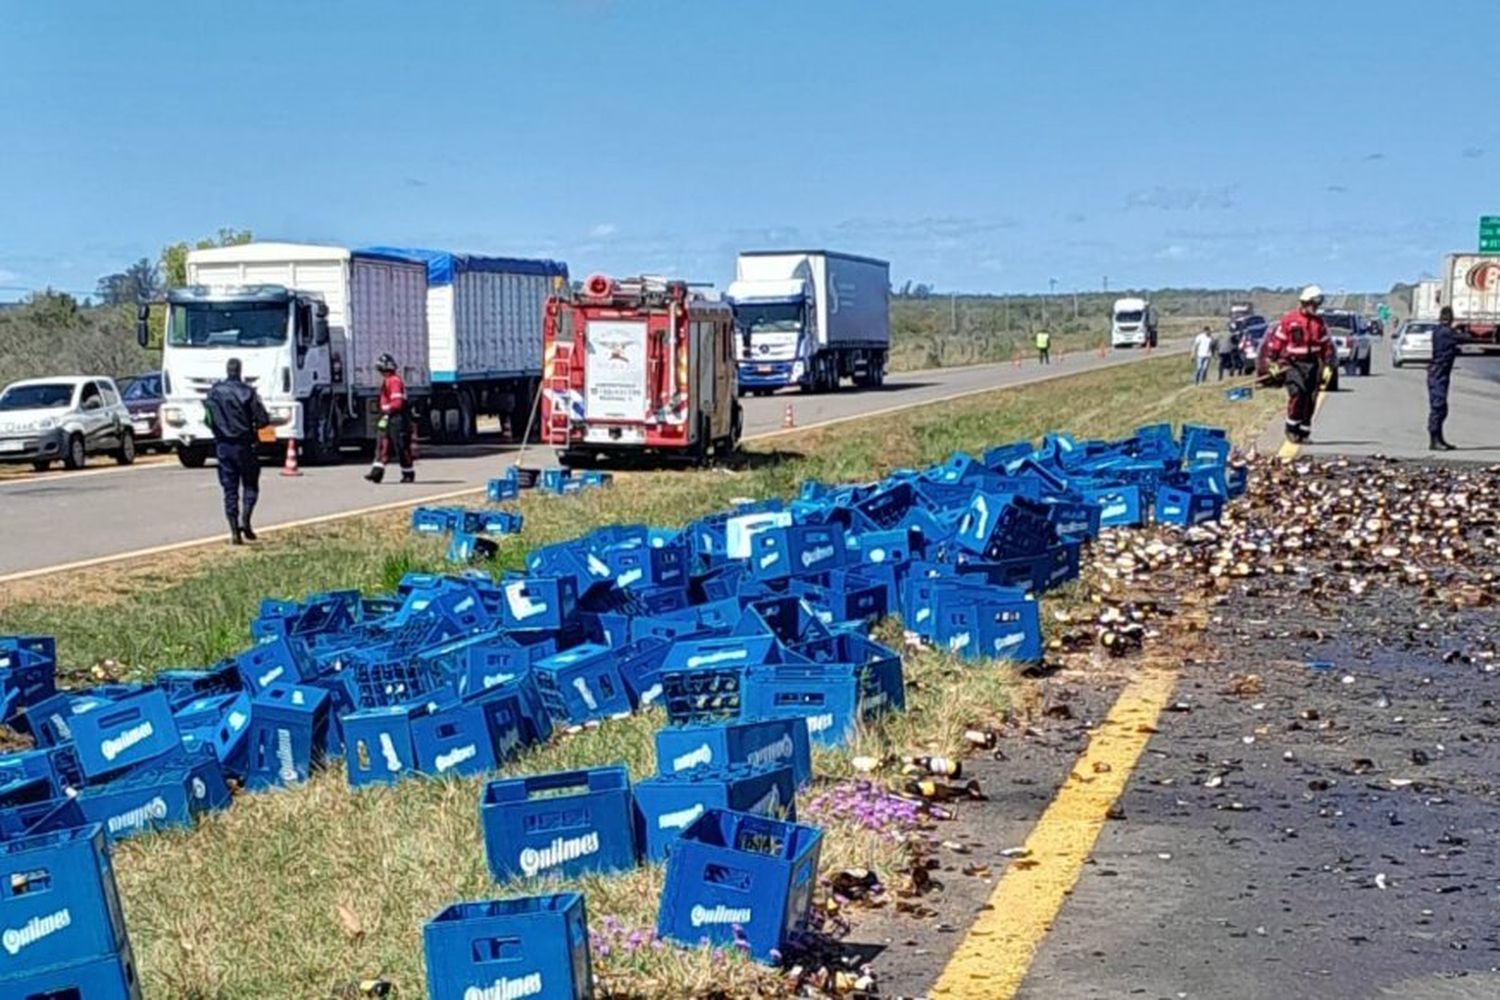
228,324
37,397
1128,317
768,317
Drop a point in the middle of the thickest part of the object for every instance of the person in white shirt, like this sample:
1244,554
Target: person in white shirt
1203,353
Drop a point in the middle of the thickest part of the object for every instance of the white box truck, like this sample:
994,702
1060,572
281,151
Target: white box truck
307,323
1471,286
1132,323
1424,299
810,318
484,328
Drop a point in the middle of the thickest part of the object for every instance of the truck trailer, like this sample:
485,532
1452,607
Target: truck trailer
810,318
484,328
1471,287
307,324
636,368
1132,323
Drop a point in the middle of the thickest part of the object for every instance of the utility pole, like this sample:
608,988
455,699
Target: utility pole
1007,313
1051,291
1075,304
953,312
1106,282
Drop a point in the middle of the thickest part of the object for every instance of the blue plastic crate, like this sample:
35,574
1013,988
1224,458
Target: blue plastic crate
648,566
156,797
1002,625
28,673
51,719
747,742
1119,505
734,874
274,661
1175,506
1237,478
517,697
433,520
595,478
667,804
455,738
536,946
33,818
1065,562
379,746
539,602
183,686
125,733
501,490
554,479
466,548
524,477
112,978
1027,573
581,684
564,823
1239,393
220,723
834,697
797,550
740,529
1070,518
58,902
288,738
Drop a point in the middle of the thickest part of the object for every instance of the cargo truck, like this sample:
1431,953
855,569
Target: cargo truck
1471,287
1424,299
484,328
307,323
1132,324
640,367
810,318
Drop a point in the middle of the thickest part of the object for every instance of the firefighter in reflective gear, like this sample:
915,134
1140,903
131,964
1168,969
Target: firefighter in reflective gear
395,425
1302,350
1043,347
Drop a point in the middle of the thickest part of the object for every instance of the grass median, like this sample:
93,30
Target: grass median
306,891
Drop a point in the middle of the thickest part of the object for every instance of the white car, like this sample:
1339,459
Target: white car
69,418
1412,342
1351,340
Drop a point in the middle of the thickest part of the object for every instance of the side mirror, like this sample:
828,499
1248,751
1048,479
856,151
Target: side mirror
322,310
320,327
143,324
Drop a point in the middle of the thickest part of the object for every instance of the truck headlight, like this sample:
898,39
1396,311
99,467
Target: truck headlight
46,423
173,415
797,370
282,414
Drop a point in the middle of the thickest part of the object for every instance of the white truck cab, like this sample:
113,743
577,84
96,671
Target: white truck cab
1132,324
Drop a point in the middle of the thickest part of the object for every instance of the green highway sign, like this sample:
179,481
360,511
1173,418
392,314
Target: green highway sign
1489,234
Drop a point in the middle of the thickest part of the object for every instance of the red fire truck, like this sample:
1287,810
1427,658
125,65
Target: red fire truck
639,367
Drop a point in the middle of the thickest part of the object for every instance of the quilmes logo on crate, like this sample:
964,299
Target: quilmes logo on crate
141,816
782,749
704,916
703,755
528,985
680,819
560,851
16,938
113,746
456,756
818,723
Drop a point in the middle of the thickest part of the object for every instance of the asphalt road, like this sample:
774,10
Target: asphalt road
61,519
1386,413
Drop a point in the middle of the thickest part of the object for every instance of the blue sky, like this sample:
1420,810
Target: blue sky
980,146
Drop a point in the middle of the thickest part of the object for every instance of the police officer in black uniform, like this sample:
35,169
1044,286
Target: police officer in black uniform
236,413
1445,342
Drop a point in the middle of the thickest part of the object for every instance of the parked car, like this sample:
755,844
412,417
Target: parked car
1412,342
143,397
43,420
1262,364
1351,340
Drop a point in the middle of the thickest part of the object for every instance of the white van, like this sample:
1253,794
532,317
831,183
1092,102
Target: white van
1132,324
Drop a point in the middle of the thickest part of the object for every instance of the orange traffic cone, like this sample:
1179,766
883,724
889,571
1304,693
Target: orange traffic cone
1102,350
289,468
1062,355
788,419
1015,357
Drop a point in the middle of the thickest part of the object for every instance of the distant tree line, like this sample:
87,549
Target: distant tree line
53,333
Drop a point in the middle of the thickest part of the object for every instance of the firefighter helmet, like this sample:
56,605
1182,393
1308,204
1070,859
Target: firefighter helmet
1313,294
385,363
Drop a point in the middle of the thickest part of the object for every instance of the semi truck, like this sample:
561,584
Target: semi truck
1424,299
307,324
1132,323
1471,287
810,318
484,328
640,367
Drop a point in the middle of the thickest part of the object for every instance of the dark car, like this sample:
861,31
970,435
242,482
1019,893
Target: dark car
143,397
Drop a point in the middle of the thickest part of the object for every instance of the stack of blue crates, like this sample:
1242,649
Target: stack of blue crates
750,629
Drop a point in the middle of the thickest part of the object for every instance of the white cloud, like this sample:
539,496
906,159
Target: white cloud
7,277
602,230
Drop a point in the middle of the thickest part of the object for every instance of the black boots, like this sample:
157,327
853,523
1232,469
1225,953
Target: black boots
235,535
246,530
376,473
1436,443
408,475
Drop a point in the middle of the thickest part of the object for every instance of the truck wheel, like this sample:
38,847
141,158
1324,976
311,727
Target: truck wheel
125,454
1364,367
464,433
76,455
192,456
42,464
322,443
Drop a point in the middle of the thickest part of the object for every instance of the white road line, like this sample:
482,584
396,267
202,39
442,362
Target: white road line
30,574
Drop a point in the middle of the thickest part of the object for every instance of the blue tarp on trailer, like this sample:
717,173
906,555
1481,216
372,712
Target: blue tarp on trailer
443,265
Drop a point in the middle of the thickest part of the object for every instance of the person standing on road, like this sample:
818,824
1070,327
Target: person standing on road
1203,352
1445,342
1224,348
1043,347
395,425
236,415
1302,349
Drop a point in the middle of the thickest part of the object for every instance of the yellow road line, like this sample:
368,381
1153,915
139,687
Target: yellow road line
993,959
